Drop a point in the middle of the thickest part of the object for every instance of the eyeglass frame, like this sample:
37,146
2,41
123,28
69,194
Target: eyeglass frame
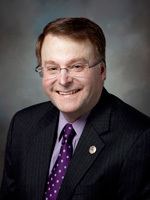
39,68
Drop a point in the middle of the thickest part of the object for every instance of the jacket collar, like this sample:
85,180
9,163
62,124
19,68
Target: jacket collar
97,125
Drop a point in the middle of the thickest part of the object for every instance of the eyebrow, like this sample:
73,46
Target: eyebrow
70,62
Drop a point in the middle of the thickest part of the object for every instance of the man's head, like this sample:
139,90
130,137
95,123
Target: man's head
71,53
78,29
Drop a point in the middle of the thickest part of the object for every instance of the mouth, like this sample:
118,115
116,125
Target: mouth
71,92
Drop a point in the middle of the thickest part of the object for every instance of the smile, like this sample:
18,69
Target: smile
68,92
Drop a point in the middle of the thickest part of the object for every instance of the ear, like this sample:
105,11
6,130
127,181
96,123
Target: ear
103,71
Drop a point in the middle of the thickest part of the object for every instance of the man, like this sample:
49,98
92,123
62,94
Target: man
108,153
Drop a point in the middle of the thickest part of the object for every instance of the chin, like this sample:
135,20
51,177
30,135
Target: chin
67,110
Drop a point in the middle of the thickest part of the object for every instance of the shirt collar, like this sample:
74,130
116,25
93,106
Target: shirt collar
78,125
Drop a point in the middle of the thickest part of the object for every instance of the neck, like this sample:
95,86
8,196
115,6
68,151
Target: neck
71,117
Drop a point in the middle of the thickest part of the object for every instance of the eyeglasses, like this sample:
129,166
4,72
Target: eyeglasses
75,70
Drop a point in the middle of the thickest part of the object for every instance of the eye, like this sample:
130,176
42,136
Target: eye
51,68
77,67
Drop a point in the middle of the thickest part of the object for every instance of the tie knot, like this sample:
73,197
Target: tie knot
68,133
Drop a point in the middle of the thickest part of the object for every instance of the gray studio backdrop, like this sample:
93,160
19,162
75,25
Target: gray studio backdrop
127,28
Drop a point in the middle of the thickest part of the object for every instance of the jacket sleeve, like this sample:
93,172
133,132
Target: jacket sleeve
134,182
8,186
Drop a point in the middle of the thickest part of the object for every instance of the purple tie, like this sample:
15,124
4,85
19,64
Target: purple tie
58,172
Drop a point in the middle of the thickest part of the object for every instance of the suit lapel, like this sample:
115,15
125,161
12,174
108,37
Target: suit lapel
40,151
97,124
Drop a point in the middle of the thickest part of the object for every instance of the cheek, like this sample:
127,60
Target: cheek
47,85
44,84
95,84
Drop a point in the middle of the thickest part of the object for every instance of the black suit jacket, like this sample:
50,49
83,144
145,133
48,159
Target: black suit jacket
118,170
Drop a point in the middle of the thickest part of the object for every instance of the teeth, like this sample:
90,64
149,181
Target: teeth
67,93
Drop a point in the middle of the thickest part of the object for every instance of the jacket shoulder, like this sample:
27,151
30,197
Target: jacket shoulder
34,113
35,109
125,114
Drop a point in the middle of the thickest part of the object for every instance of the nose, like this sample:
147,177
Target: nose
64,78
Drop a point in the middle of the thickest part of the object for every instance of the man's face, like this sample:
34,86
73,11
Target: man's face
74,96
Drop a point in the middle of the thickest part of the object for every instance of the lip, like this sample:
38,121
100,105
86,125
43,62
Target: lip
70,92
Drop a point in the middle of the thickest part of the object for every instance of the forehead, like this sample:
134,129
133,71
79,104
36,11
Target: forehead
56,47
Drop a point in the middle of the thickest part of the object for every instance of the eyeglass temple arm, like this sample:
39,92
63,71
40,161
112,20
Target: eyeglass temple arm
98,62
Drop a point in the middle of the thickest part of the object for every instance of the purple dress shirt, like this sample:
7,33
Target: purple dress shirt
78,126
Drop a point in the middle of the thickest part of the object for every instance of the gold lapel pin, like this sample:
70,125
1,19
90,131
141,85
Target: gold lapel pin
92,149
